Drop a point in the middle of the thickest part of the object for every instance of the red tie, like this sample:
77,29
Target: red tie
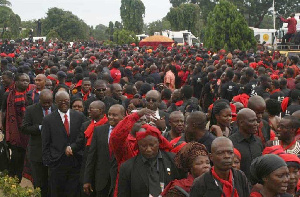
46,112
66,123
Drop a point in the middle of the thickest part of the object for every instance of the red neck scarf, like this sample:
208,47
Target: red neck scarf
90,129
179,103
85,95
227,184
277,90
129,96
288,146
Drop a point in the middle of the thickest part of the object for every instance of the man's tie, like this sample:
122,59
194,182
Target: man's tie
66,123
46,112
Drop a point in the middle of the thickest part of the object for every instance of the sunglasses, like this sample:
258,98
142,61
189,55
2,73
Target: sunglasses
100,90
153,100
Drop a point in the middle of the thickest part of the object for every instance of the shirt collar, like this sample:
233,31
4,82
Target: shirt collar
63,114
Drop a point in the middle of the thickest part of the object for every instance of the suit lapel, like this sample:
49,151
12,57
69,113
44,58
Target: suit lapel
142,169
72,125
105,138
40,110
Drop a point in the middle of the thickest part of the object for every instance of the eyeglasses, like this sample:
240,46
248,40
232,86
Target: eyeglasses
151,99
100,89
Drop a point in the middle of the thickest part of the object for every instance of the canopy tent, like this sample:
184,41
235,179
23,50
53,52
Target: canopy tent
156,40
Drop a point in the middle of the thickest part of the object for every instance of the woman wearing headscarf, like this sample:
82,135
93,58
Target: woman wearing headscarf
151,170
193,159
293,164
220,119
272,173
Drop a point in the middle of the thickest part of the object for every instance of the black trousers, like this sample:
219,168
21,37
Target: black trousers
64,178
286,38
16,163
40,177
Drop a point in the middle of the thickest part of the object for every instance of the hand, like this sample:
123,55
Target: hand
147,112
69,151
216,130
87,188
161,124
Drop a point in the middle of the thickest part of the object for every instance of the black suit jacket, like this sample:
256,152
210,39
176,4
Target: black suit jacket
108,101
55,138
133,180
33,118
98,162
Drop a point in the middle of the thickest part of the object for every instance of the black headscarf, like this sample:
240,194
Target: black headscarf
263,166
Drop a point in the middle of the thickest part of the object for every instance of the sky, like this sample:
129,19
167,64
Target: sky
93,12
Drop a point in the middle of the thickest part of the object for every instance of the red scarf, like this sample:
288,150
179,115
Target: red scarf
90,129
85,95
16,105
243,98
277,90
179,103
227,184
129,96
288,146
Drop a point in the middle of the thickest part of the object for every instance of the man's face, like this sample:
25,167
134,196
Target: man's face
99,91
23,82
86,86
63,102
222,156
149,147
177,123
78,106
114,116
6,81
259,111
49,85
94,111
152,100
117,91
46,102
284,130
176,96
190,134
249,123
40,82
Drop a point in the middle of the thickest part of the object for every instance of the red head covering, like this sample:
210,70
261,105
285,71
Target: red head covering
276,150
280,65
164,144
237,153
290,158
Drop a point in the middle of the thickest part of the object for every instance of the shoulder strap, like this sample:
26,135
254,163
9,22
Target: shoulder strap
182,190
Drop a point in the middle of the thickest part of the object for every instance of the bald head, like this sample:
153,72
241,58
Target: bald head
175,114
256,101
296,114
154,93
98,105
220,141
244,113
198,118
46,93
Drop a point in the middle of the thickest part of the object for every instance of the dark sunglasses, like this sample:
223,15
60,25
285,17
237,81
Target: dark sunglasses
149,99
100,90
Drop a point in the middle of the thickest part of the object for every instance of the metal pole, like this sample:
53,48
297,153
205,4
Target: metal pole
274,13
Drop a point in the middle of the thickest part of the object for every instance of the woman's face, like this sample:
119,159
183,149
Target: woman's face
224,117
236,163
277,181
294,177
78,106
200,165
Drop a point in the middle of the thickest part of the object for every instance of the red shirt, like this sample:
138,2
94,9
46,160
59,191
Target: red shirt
292,22
115,74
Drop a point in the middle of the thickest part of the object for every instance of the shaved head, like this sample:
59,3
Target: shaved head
296,114
244,113
256,102
218,141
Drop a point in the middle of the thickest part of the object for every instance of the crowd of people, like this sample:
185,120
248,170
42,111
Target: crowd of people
91,120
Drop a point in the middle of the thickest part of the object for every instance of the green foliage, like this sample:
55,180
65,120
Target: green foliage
5,3
25,33
100,32
158,26
184,17
132,14
52,35
124,36
11,188
68,26
10,20
226,28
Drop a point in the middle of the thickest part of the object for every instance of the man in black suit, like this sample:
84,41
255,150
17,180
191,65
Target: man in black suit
99,89
99,162
60,130
32,124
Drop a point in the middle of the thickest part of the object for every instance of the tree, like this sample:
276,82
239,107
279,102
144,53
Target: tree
184,17
5,3
227,28
100,32
124,36
9,21
158,26
132,14
68,26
